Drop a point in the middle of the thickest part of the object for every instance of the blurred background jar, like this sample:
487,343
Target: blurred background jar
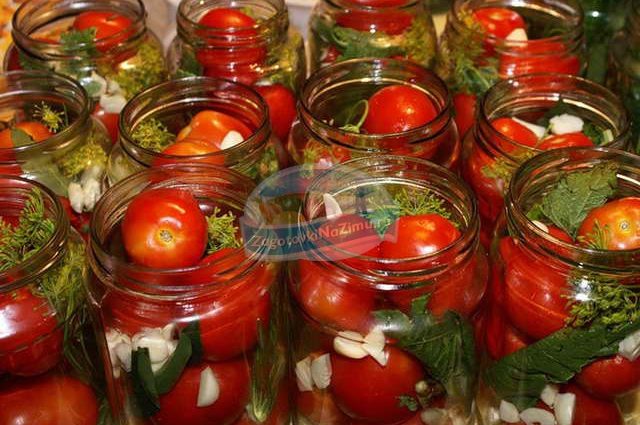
562,323
48,135
386,294
484,42
206,342
523,116
368,107
47,348
347,29
104,45
196,119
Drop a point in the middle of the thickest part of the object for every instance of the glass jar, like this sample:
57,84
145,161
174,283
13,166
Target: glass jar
348,29
385,340
563,311
331,99
60,35
46,368
48,136
218,324
623,74
490,157
269,52
153,120
470,60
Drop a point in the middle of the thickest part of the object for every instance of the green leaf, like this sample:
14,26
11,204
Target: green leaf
170,372
20,137
520,377
46,172
356,44
144,384
567,204
598,135
192,331
189,65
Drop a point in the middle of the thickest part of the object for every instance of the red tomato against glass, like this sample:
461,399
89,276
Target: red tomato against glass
619,219
610,377
47,400
212,126
164,228
282,108
30,341
37,131
319,407
564,141
398,108
592,411
367,391
186,149
418,235
465,107
331,302
501,339
391,22
498,21
109,120
515,131
538,56
107,25
179,404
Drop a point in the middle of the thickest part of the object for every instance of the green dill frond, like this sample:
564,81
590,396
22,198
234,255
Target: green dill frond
420,202
146,68
418,41
189,65
222,231
78,160
599,238
55,121
82,41
152,134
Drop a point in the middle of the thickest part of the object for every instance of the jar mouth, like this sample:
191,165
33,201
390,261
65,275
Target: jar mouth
21,88
352,180
184,96
332,81
35,15
213,186
536,93
535,175
14,192
352,5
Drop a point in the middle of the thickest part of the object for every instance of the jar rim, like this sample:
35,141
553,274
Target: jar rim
349,5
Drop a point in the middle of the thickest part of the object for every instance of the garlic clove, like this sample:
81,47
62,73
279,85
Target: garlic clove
112,103
378,354
565,124
629,348
376,338
169,331
564,407
303,375
209,389
509,412
548,395
518,34
321,371
433,416
349,348
231,139
536,416
331,207
354,336
122,352
152,339
538,130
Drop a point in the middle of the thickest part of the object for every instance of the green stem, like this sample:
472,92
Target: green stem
355,128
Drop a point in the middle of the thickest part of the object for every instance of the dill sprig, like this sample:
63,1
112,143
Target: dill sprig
152,134
146,68
74,41
81,158
598,238
55,121
222,231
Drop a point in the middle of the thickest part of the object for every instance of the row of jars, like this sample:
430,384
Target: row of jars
387,313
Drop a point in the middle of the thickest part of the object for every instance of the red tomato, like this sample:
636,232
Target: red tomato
47,400
499,21
592,411
564,141
538,56
367,391
610,377
619,219
164,228
224,17
110,121
37,131
319,407
282,108
212,126
558,233
111,28
398,108
502,339
514,131
186,150
179,404
348,236
331,300
465,107
31,340
378,3
80,222
391,22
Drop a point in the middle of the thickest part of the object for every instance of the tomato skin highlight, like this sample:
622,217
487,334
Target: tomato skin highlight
107,24
610,377
178,406
48,399
620,219
398,108
164,228
418,235
498,21
366,391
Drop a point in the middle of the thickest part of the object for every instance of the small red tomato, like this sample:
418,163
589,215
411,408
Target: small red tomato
80,222
47,400
212,126
592,411
186,150
180,404
418,235
164,228
37,131
538,56
282,108
499,21
109,120
398,108
465,107
619,220
224,17
31,340
559,234
347,237
367,391
390,22
564,141
111,28
502,339
514,131
610,377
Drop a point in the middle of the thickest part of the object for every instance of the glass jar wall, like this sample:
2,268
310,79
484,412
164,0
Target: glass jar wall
383,308
523,116
46,347
198,344
562,321
104,45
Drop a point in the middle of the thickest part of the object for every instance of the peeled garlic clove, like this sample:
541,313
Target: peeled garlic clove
349,348
565,124
536,416
331,206
564,407
432,416
209,389
548,395
303,375
321,371
379,355
538,130
509,412
629,348
231,139
169,331
518,34
354,336
375,338
123,354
